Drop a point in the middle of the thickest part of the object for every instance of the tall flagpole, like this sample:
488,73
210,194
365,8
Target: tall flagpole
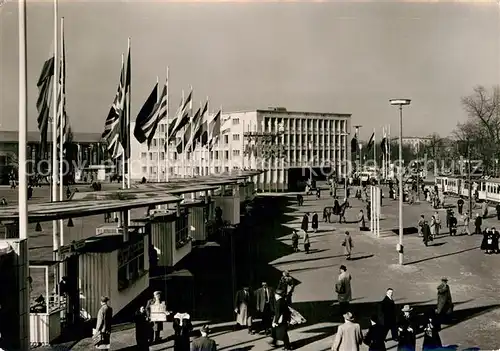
167,146
61,133
375,150
124,185
384,138
22,176
129,100
389,147
158,132
221,153
55,85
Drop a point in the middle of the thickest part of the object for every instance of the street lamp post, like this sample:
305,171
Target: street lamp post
400,103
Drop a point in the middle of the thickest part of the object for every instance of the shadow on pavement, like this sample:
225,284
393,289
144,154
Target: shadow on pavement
440,256
317,312
406,231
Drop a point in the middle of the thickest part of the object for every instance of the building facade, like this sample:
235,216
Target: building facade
289,145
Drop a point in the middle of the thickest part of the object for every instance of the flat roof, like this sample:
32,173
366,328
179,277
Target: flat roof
100,202
285,111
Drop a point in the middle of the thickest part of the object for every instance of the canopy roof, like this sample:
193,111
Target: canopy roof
150,194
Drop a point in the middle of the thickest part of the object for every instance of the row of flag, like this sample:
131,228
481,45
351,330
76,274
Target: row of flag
383,144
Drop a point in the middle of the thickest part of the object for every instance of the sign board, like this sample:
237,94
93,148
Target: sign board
158,312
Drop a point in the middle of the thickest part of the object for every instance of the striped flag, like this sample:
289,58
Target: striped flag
182,117
190,131
203,126
370,142
43,102
124,126
62,118
214,131
145,123
113,126
383,143
161,112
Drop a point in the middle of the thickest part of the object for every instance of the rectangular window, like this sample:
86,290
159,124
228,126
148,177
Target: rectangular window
162,156
144,155
226,139
150,156
236,152
130,263
236,137
181,229
144,170
236,121
226,169
154,142
226,155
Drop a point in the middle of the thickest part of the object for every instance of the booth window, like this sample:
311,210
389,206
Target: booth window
181,230
130,264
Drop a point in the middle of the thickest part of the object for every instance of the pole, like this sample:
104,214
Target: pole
129,100
418,172
61,133
469,179
123,154
158,143
22,176
54,131
167,146
401,254
389,149
375,151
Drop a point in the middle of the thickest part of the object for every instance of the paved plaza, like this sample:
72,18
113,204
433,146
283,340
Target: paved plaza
474,278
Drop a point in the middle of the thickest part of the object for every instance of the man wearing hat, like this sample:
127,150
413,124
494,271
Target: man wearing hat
156,307
407,330
204,343
281,320
349,336
102,331
264,299
444,301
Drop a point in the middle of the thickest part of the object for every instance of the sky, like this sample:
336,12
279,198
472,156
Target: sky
345,57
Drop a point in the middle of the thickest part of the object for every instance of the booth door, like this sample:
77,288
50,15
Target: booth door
73,293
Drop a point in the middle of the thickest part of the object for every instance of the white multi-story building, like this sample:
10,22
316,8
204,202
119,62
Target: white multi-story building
308,142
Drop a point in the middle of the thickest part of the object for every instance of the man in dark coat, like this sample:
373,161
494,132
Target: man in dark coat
305,222
143,329
103,325
388,314
204,343
497,208
444,301
453,224
315,222
281,320
264,298
478,223
496,239
407,329
426,233
460,205
375,337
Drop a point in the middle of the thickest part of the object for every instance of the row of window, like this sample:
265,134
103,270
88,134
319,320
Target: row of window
130,264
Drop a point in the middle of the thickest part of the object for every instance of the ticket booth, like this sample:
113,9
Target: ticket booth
197,219
46,309
110,266
229,202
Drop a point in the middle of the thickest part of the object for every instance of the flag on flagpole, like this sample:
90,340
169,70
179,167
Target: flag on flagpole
354,143
145,123
125,123
182,117
203,123
62,118
113,126
383,143
190,130
370,142
212,135
43,102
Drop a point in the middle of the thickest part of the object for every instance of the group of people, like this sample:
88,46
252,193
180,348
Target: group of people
404,325
272,306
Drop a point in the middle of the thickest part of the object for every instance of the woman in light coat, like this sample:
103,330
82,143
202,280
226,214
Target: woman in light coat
433,226
347,244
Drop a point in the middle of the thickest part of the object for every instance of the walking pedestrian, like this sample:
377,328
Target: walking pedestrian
243,305
460,205
307,242
421,225
287,285
466,226
155,307
295,241
496,238
349,336
407,329
438,223
361,220
305,222
444,306
343,289
497,208
347,244
375,337
142,330
432,340
426,233
102,331
388,314
204,343
453,224
280,321
264,306
315,222
433,226
182,331
484,241
478,223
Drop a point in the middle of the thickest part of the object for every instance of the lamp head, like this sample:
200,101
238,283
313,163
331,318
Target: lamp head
399,102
